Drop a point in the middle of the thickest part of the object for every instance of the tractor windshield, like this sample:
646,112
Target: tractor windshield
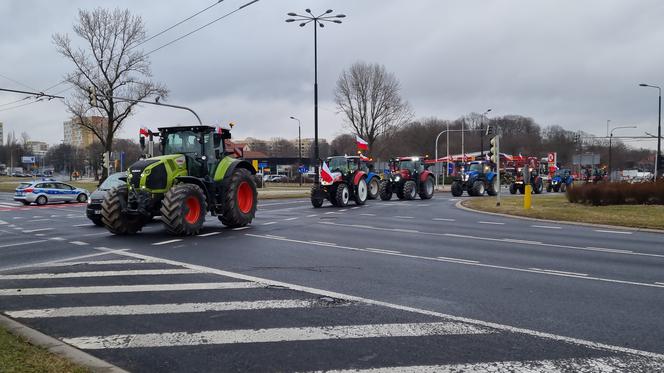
187,142
338,164
475,167
407,165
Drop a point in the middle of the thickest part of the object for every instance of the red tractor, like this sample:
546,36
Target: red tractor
344,181
408,177
532,164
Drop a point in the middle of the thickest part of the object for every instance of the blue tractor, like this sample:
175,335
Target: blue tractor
560,181
373,179
476,178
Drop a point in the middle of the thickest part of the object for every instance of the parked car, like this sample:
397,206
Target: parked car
277,179
93,210
46,191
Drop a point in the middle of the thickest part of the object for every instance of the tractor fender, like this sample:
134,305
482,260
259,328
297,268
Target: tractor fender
196,181
228,165
358,176
424,175
490,176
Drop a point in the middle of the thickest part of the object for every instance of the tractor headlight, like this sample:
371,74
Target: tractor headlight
465,177
397,178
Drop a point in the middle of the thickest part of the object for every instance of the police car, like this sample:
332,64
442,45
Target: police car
48,190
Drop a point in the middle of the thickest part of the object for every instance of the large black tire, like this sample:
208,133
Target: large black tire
512,188
550,187
240,200
385,190
409,190
478,188
426,188
183,210
111,213
557,188
457,189
342,195
361,192
492,187
398,189
539,186
332,195
315,200
374,188
97,221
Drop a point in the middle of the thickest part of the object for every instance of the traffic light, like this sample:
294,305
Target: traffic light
105,160
494,151
489,129
92,96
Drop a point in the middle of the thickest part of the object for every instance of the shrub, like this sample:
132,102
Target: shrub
617,193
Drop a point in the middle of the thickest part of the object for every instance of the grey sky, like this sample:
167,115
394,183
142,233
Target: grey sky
567,62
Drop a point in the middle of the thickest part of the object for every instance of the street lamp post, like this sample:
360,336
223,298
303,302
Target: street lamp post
317,21
482,132
299,146
610,144
659,129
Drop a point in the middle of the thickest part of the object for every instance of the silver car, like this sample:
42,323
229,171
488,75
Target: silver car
47,191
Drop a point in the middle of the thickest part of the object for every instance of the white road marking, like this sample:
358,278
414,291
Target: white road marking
270,223
106,251
562,272
40,234
130,272
17,217
443,219
506,328
659,283
604,364
383,251
361,226
289,219
546,226
161,309
492,266
78,243
491,222
368,214
403,230
241,228
207,234
220,337
615,232
167,242
37,230
21,243
38,220
312,215
83,225
404,217
343,210
94,263
57,239
2,222
95,234
525,242
423,205
129,288
323,243
331,212
37,217
273,236
619,251
457,259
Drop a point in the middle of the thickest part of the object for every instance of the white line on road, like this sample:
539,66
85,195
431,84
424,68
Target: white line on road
207,234
502,327
383,251
361,226
312,215
457,259
95,263
491,222
525,242
609,250
135,272
659,283
562,272
403,230
546,226
37,230
21,243
161,309
17,217
289,219
39,220
323,243
37,217
78,243
83,225
404,217
56,239
167,242
129,288
615,232
270,223
2,222
219,337
368,214
241,228
331,212
443,219
273,236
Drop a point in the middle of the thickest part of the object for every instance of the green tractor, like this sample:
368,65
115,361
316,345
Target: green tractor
194,176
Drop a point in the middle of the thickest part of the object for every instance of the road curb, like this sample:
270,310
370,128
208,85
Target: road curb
58,347
460,205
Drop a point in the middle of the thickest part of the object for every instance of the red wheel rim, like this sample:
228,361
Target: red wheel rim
245,197
193,210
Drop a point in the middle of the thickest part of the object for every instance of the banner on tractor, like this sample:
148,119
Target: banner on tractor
326,174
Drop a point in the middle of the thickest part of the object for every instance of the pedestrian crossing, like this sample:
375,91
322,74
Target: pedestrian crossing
146,314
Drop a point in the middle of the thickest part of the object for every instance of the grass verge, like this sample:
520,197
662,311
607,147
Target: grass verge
558,208
17,355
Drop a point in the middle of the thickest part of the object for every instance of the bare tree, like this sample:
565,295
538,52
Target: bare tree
110,63
370,97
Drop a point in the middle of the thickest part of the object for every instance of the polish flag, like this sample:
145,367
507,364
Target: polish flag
361,144
143,132
326,174
364,158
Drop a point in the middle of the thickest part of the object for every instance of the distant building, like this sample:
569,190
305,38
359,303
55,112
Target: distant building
77,135
37,148
307,145
2,139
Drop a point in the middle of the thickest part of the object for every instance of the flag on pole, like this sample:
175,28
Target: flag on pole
325,173
364,158
143,132
361,144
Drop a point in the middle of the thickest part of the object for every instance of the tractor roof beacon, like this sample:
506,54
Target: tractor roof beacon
194,175
408,177
347,182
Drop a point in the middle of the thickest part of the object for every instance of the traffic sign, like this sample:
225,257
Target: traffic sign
303,169
29,159
262,164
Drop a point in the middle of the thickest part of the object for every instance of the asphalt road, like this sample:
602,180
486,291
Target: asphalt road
400,286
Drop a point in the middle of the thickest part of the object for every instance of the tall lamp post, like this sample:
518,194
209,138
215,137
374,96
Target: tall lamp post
610,144
317,21
299,146
482,132
659,129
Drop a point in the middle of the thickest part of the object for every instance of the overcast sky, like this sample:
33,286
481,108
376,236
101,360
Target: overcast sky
566,62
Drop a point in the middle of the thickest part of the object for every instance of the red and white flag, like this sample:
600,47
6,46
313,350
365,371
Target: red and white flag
361,144
143,132
326,174
364,158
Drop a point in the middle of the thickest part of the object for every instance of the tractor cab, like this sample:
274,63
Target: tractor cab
202,146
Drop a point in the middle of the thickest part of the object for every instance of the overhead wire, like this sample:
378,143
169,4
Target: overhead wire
17,82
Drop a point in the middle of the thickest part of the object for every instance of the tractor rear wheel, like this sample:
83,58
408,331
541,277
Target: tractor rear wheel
563,187
538,187
426,188
111,213
374,188
342,195
409,190
478,188
361,192
385,190
183,210
457,189
240,200
512,188
492,187
316,201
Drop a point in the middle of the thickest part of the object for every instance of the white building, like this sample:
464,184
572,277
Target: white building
37,148
77,135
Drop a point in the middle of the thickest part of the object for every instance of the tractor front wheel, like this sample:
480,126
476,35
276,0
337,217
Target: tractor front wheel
111,213
538,187
374,188
316,201
478,188
183,210
361,192
385,190
240,200
457,189
512,188
409,190
342,195
426,188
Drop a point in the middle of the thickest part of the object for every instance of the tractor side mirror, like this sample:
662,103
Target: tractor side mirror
141,140
217,140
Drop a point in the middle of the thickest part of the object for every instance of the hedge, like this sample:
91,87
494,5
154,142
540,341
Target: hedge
617,194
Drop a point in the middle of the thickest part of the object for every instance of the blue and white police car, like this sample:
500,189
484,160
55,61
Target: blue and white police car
47,191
